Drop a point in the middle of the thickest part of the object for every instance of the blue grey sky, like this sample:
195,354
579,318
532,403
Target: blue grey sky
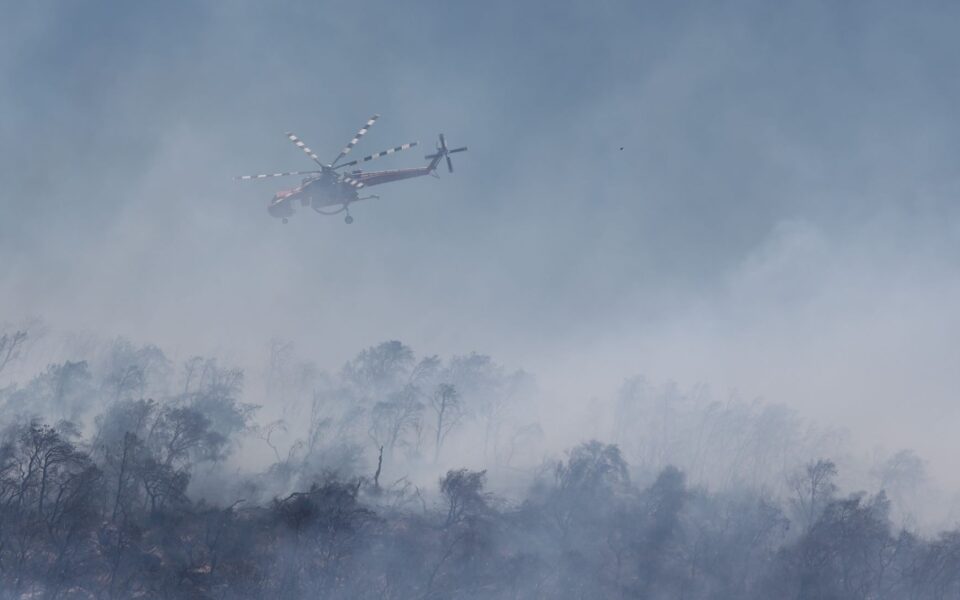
782,218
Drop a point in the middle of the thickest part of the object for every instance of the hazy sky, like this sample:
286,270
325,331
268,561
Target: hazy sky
782,218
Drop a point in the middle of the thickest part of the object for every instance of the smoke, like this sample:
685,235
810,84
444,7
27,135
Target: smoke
779,224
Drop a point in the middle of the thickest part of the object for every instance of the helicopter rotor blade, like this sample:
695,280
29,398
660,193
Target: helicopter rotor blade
449,163
461,149
378,154
266,175
306,149
356,139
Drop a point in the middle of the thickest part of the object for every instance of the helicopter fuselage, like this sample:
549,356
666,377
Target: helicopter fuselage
315,192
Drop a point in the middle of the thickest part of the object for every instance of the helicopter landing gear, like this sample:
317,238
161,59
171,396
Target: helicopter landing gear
284,221
348,219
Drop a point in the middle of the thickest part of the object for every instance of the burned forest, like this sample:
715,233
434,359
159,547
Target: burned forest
126,475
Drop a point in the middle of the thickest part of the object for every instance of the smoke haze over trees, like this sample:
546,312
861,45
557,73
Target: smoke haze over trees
683,324
126,474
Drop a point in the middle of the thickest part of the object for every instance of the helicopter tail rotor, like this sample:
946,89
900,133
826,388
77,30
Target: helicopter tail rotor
444,152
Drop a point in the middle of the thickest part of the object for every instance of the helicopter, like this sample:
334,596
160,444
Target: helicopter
329,191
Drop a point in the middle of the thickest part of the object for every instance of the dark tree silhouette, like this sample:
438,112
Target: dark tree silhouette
134,501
